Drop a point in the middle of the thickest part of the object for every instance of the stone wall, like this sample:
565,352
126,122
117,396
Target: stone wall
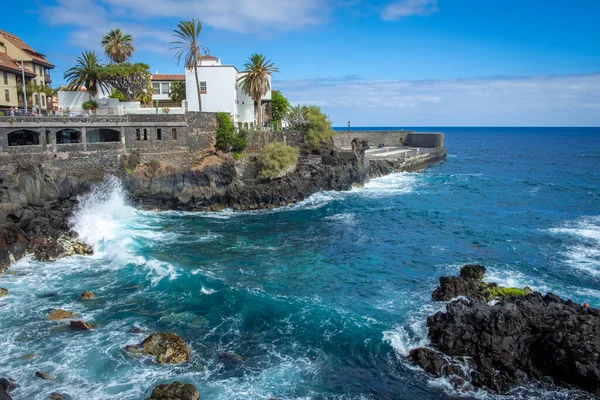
390,138
172,139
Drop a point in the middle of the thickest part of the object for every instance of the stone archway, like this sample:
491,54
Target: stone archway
66,136
23,137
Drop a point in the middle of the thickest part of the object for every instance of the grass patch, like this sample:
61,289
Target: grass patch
497,292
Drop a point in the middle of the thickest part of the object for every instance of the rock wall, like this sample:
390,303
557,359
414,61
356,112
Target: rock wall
391,138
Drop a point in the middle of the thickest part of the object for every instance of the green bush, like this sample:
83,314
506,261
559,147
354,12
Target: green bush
90,105
116,94
498,292
275,158
227,139
319,126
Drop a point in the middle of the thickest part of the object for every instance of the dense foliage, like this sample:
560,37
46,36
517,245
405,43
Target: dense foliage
129,79
276,158
227,139
280,106
319,127
90,105
116,94
177,93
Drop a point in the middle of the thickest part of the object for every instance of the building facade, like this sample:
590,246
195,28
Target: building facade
221,92
36,69
161,85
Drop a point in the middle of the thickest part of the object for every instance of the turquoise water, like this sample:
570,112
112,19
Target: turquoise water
323,299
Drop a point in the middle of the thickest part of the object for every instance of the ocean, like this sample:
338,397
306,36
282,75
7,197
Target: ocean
322,299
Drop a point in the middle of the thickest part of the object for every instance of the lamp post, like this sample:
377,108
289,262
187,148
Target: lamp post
23,83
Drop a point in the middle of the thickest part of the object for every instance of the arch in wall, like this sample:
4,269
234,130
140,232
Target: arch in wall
103,135
23,137
65,136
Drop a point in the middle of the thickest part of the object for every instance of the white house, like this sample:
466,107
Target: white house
161,85
220,91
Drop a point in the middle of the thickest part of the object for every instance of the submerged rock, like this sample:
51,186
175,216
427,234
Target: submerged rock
87,295
58,314
175,391
4,292
82,325
168,348
230,359
56,396
44,375
524,335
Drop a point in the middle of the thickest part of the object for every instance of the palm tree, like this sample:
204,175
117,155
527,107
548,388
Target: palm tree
85,73
145,97
255,80
188,48
177,93
118,46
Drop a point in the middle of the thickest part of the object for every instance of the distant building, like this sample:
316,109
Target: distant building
220,91
161,84
36,68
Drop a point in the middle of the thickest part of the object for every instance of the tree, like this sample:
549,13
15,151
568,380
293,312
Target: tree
279,106
319,127
296,117
255,80
118,46
227,139
177,93
275,158
87,72
188,48
129,79
116,94
145,96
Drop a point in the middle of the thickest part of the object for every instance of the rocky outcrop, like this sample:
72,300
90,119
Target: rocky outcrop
6,386
168,348
175,391
36,203
58,314
50,248
82,326
44,375
528,335
4,292
87,295
214,183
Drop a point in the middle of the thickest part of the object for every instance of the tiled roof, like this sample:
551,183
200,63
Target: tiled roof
39,58
8,64
168,77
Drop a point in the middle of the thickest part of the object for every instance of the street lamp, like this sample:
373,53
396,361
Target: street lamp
23,82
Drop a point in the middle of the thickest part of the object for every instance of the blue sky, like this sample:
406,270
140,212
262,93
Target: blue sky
375,63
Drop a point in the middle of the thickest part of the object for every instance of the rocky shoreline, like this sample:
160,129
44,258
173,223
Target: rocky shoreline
495,338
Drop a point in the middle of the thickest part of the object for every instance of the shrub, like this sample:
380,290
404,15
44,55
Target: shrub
90,105
227,139
275,158
319,126
497,292
166,110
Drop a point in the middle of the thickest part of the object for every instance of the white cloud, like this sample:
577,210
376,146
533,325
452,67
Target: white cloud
406,8
559,100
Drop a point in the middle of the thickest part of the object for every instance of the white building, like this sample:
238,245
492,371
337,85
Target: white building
161,84
221,92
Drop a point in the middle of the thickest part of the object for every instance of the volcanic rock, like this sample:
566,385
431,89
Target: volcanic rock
82,325
175,391
527,335
4,292
58,314
230,359
44,375
45,248
57,396
168,348
87,295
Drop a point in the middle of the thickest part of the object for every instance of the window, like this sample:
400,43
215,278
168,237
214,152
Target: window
174,133
47,136
159,134
43,101
137,134
34,69
7,95
36,99
164,88
145,134
5,78
202,87
156,87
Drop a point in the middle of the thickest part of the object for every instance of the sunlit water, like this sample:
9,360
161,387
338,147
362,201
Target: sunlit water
322,299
